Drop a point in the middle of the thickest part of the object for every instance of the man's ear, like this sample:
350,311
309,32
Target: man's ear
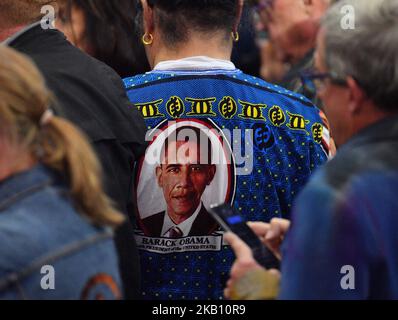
211,173
357,96
159,176
147,17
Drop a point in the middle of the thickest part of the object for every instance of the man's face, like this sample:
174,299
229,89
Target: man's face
183,179
335,98
281,19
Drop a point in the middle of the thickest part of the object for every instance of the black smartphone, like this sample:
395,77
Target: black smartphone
230,220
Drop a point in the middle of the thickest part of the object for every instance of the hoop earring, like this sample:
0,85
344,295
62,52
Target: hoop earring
147,39
235,36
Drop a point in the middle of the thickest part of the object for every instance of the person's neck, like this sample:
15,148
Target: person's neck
177,219
212,48
369,118
20,163
303,40
365,117
5,33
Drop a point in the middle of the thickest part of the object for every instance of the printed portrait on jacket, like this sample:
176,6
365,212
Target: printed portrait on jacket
186,169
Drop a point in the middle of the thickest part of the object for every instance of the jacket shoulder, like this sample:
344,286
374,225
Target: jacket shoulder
90,93
152,225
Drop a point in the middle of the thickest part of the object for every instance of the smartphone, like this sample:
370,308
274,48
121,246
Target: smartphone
230,220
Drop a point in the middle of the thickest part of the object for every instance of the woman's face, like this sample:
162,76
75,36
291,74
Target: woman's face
73,26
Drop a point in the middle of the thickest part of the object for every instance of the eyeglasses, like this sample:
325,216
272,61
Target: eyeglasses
314,81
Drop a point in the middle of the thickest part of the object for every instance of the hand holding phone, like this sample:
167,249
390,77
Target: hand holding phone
230,220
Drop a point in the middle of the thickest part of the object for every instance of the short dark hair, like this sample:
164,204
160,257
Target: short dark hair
109,31
176,18
184,134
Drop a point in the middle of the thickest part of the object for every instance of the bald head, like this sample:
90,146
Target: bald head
19,12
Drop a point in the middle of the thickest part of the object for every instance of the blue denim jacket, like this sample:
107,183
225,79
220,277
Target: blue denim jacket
48,250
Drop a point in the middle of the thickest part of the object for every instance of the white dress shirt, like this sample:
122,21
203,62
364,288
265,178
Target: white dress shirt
184,226
195,63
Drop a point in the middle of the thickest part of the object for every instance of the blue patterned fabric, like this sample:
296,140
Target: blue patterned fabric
282,137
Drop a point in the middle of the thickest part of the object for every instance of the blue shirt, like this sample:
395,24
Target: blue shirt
280,135
39,227
343,240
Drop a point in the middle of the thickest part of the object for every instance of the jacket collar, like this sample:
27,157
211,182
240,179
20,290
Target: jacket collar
19,186
198,63
383,130
15,36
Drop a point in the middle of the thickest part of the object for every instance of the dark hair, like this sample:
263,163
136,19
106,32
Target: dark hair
190,134
176,17
110,33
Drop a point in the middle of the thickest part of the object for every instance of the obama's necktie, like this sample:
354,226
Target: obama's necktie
175,233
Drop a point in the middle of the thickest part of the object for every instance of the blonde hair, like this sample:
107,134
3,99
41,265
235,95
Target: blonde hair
58,144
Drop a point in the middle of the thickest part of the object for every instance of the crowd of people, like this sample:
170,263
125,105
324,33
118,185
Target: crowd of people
125,121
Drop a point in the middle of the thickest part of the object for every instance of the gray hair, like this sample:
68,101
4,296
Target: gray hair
369,51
